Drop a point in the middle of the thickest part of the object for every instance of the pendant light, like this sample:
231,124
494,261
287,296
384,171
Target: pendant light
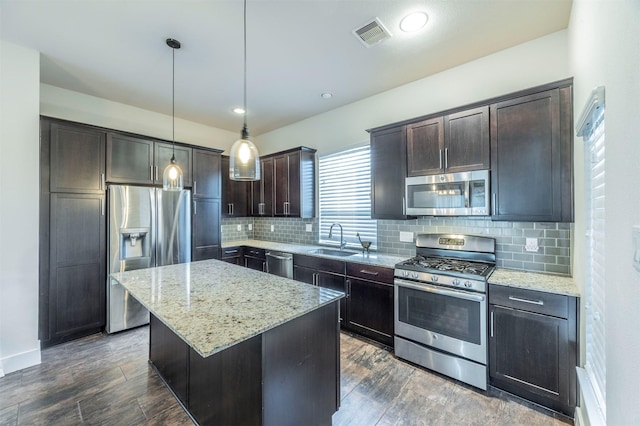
172,179
244,161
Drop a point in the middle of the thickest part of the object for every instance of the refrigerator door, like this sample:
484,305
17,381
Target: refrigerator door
131,246
174,227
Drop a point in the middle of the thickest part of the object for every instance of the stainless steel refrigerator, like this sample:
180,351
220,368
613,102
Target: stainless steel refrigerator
147,227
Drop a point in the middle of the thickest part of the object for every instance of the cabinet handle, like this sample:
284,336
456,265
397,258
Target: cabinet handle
195,187
230,251
364,271
404,206
446,158
493,203
348,289
245,262
103,183
491,327
264,266
533,302
151,172
156,172
195,208
102,203
440,157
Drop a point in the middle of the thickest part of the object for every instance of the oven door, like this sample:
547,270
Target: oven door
449,320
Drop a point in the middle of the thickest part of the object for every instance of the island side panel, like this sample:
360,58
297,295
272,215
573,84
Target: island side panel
169,354
226,387
301,369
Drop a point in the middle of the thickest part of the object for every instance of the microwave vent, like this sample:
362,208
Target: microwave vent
372,33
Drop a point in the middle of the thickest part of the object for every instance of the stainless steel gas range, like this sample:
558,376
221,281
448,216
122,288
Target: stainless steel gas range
441,305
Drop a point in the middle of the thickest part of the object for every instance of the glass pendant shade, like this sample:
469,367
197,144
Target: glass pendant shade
244,160
172,177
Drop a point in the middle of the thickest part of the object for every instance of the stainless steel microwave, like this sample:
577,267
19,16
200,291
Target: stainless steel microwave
451,194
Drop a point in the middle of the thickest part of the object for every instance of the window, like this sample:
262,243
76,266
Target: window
591,127
345,197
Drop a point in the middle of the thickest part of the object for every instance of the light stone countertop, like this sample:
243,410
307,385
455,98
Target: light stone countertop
377,259
557,284
213,305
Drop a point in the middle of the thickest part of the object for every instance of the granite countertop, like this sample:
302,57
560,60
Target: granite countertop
558,284
378,259
212,305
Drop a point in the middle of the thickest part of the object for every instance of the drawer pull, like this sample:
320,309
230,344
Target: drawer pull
230,251
364,271
533,302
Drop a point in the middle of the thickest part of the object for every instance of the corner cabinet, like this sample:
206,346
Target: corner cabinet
533,350
532,157
293,183
388,171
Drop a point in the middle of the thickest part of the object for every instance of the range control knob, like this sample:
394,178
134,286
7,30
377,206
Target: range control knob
405,273
414,275
434,278
456,281
468,284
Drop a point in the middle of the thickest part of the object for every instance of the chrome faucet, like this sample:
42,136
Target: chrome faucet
343,243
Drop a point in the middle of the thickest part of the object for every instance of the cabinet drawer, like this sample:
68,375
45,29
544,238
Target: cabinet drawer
539,302
370,272
254,252
228,252
319,263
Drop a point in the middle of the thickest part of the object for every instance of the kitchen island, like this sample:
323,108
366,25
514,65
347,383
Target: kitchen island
237,346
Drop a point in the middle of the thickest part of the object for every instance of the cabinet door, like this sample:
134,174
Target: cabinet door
262,190
235,194
370,309
281,185
255,263
529,353
305,275
293,178
205,229
162,158
334,282
77,280
206,174
467,140
77,159
527,163
388,171
129,159
425,147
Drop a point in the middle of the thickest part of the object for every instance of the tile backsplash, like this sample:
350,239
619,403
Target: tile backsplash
553,239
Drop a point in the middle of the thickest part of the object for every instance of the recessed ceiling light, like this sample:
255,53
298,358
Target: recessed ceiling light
326,95
413,22
238,110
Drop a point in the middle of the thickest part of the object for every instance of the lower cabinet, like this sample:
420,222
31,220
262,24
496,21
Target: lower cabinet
254,258
370,302
232,255
327,273
533,346
205,238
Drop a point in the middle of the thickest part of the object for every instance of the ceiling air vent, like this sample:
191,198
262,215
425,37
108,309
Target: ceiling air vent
372,33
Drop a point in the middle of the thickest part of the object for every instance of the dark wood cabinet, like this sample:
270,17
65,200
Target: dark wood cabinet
129,159
452,143
388,171
254,258
162,153
294,188
76,158
533,346
262,190
323,272
235,194
532,158
370,301
205,229
232,255
206,174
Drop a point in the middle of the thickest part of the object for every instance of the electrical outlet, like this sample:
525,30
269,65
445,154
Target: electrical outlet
531,244
239,227
250,227
273,228
309,227
406,237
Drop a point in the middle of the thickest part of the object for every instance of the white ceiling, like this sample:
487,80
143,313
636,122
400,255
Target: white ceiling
296,50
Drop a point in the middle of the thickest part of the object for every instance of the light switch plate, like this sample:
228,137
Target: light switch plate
272,228
250,227
309,227
635,232
406,237
239,227
531,244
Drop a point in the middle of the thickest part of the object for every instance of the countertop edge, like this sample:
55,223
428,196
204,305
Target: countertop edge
548,283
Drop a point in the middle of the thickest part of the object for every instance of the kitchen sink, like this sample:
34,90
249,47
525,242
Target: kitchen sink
333,252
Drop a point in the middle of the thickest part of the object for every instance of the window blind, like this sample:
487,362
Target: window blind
345,197
595,277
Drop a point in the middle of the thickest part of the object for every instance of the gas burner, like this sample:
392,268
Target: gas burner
444,264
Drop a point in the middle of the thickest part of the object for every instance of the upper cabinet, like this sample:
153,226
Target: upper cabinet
388,171
142,161
453,143
294,183
262,190
235,196
76,157
206,174
532,157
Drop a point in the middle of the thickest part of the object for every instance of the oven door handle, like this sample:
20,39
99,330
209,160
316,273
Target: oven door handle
438,290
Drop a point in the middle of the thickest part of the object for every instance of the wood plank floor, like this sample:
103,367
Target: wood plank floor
106,380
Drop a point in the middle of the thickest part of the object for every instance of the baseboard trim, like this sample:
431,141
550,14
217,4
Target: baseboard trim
20,361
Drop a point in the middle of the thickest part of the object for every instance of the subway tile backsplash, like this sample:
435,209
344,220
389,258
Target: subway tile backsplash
554,239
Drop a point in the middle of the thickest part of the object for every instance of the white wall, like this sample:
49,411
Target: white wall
74,106
604,50
19,189
537,62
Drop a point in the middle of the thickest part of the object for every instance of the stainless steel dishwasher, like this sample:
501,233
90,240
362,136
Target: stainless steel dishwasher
280,263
